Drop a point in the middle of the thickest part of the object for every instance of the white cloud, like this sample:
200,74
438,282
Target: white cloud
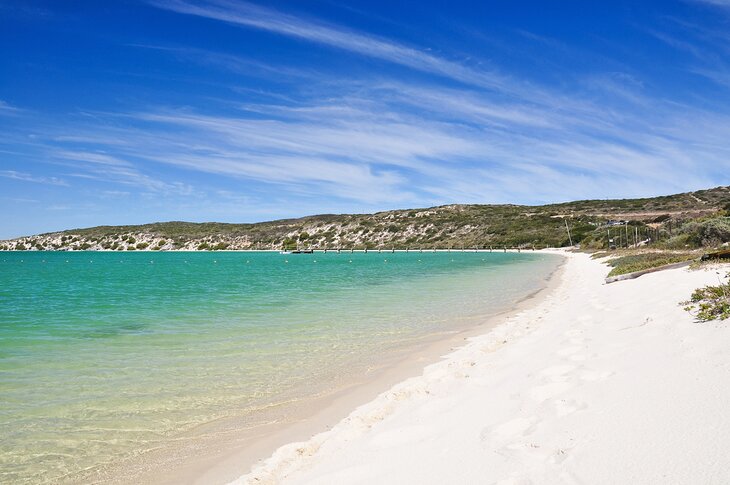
383,142
399,145
7,109
719,3
254,16
26,177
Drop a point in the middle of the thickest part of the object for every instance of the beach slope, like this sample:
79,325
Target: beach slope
595,384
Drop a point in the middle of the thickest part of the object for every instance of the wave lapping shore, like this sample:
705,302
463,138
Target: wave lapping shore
596,383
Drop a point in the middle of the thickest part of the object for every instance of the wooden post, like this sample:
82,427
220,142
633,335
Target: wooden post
570,238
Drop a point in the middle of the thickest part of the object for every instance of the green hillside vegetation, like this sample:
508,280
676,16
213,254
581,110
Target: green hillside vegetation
682,221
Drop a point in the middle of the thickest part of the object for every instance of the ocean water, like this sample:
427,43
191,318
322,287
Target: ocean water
107,354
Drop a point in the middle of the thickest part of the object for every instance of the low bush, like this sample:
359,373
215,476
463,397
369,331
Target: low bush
640,262
710,302
708,233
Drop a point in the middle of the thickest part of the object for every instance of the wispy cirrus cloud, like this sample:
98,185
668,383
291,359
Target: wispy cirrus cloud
388,144
233,63
262,18
719,3
26,177
6,108
106,168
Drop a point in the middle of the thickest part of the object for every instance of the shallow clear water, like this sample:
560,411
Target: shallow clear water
106,354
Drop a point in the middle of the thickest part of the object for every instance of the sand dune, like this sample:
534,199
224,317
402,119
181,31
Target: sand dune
596,384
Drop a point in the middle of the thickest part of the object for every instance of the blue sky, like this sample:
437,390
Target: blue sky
218,110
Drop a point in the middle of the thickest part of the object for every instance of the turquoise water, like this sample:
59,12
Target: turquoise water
107,354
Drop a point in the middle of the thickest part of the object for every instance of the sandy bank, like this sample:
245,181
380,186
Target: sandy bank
594,384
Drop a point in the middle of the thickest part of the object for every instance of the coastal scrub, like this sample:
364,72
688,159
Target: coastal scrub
711,302
639,262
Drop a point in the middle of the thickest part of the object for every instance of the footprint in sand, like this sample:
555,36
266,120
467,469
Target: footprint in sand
558,456
401,436
547,391
509,430
558,373
574,333
598,305
565,407
578,357
568,351
514,481
593,376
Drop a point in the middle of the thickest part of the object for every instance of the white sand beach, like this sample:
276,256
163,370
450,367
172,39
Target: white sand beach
595,384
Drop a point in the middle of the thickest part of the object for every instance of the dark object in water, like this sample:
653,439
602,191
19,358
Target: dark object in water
303,251
724,254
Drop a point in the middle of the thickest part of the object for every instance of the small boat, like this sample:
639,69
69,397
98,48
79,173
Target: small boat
285,252
303,251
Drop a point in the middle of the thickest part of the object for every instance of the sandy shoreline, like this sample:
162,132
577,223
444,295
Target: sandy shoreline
222,451
592,383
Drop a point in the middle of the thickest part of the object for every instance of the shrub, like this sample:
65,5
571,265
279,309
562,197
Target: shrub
715,231
711,232
84,246
203,246
710,302
21,247
680,242
289,244
142,245
640,262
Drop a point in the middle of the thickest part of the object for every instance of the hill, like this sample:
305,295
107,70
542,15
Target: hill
592,223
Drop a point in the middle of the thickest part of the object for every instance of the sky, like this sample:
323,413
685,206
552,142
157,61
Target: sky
128,112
